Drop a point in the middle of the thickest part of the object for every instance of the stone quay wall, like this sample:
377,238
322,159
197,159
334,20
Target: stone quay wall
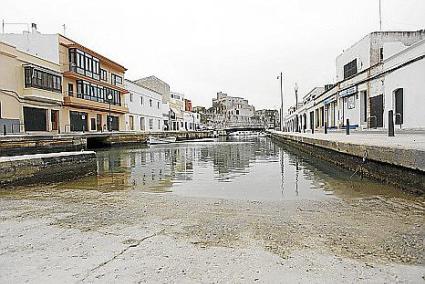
404,168
46,168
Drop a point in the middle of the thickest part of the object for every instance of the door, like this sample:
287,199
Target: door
99,122
142,124
376,111
35,119
131,118
78,121
399,106
93,124
311,120
54,117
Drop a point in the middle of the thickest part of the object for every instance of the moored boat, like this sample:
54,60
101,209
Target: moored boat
157,140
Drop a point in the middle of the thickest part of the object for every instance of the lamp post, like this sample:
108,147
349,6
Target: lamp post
281,100
109,97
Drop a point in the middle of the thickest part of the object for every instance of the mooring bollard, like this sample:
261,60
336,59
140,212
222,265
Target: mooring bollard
391,123
347,127
326,128
4,129
312,130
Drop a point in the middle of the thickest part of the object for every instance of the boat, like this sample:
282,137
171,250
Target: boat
158,140
244,134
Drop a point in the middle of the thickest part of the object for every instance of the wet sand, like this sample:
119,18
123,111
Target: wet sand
78,235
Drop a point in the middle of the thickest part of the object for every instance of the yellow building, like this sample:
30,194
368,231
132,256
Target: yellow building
30,92
80,90
93,89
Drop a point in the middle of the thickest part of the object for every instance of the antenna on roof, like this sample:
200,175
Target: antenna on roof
380,15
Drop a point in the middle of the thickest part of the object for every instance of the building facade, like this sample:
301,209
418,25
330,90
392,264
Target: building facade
145,108
30,92
368,74
230,111
92,86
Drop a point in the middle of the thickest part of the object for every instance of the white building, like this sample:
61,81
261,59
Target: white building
381,72
176,102
404,87
145,109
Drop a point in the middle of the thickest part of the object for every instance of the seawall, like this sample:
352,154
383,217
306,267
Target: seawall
401,166
46,168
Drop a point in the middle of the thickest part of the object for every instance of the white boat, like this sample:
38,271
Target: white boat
157,140
244,134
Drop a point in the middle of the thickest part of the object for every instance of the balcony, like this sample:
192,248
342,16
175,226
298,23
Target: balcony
75,102
74,74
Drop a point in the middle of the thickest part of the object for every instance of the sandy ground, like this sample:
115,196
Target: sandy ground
68,236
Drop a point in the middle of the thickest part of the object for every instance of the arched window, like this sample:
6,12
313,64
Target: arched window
398,105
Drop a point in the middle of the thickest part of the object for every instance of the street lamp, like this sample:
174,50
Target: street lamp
109,97
281,100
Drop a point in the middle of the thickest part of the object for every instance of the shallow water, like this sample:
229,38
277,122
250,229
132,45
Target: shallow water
235,169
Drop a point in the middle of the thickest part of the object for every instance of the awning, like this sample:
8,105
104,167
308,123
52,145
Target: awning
348,92
329,100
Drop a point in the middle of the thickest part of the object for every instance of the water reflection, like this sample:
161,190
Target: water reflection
253,170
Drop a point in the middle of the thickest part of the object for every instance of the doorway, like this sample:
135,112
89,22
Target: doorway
398,97
376,111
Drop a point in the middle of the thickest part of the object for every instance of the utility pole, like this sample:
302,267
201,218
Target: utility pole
281,101
380,15
64,29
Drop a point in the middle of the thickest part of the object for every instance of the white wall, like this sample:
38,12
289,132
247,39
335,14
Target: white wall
411,79
45,46
137,109
359,51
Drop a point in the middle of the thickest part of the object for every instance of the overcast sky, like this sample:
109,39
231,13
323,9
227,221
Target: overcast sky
236,46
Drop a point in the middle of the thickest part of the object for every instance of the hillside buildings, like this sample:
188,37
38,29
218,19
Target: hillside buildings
378,74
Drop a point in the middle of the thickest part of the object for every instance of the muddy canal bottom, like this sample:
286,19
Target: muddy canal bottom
231,211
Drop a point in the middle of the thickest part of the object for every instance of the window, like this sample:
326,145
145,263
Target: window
94,92
103,75
131,97
351,102
381,54
40,79
158,105
150,124
116,80
350,69
150,102
159,124
141,100
84,63
70,89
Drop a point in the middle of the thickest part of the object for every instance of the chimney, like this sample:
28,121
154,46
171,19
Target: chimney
33,28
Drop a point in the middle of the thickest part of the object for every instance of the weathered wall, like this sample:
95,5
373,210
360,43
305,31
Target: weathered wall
402,167
46,168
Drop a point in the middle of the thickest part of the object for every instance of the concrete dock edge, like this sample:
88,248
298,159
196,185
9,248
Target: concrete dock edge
46,168
404,168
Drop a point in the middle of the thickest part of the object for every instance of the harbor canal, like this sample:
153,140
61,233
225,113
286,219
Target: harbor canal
227,211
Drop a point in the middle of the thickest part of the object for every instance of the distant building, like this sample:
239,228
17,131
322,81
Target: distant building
187,105
145,109
269,118
230,111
